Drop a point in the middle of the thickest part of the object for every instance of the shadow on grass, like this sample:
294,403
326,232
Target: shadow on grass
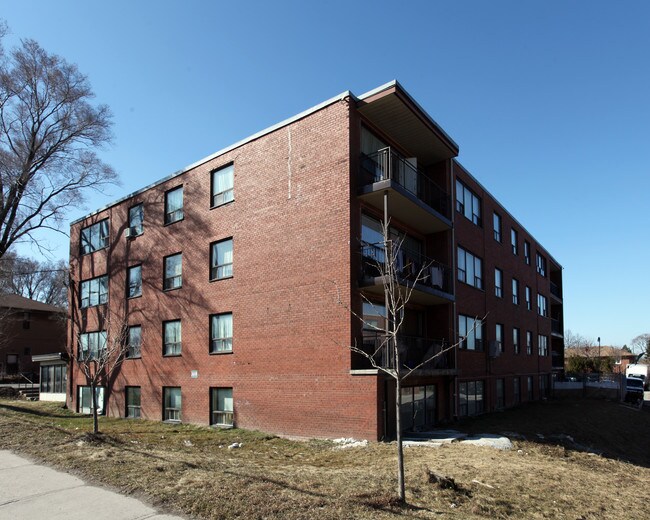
40,413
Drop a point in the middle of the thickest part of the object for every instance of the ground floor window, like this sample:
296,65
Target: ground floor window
172,404
222,412
516,390
85,400
12,364
501,394
133,402
529,385
53,378
471,397
543,386
418,407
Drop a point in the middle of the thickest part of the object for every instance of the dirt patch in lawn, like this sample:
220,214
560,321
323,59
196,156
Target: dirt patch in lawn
191,470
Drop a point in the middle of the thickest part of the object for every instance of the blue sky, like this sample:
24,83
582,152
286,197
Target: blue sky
549,102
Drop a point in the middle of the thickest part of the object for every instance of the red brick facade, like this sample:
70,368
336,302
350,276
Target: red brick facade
295,223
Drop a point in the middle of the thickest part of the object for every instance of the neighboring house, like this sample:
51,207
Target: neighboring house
28,328
620,358
228,273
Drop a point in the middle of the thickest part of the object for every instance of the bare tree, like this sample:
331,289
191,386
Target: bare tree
49,131
387,354
641,345
575,340
46,282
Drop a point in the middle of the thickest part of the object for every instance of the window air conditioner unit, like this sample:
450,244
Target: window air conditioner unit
130,233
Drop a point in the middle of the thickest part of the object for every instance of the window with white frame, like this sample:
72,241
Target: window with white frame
173,271
85,400
529,299
527,252
515,291
172,405
222,411
542,305
135,281
221,333
172,338
470,268
174,205
498,334
136,220
470,332
468,203
514,241
496,223
515,340
471,398
541,264
542,345
529,342
134,342
223,181
94,291
133,409
53,378
221,256
92,345
94,237
498,282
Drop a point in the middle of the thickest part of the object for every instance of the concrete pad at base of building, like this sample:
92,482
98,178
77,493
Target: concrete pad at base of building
32,491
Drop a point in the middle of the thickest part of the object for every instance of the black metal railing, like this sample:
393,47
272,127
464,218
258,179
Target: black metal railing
413,350
556,326
387,164
409,265
555,290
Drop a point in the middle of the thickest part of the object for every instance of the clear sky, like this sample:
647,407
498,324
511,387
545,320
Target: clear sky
549,102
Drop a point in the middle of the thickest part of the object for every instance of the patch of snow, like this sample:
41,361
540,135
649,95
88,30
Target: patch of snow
489,440
344,443
235,445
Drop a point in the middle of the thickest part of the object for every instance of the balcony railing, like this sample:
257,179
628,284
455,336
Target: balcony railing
413,351
387,164
409,265
555,290
556,326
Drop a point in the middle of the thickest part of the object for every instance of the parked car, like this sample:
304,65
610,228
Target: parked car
634,390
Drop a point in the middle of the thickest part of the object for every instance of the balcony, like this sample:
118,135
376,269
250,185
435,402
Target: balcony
556,327
555,291
436,279
413,350
415,200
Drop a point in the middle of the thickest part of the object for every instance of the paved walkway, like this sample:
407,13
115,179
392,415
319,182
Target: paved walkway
29,491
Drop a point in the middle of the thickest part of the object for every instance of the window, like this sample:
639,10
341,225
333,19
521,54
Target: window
134,342
221,260
470,398
515,291
222,185
222,412
135,282
85,400
174,205
527,252
94,237
543,386
27,320
173,272
513,241
136,220
542,345
221,333
94,292
470,332
515,340
470,268
172,338
501,394
516,390
529,387
53,378
542,308
133,402
529,299
529,342
418,407
496,222
498,334
541,264
468,203
498,283
92,345
172,404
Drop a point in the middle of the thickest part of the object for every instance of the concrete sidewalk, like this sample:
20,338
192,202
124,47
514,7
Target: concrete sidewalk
30,491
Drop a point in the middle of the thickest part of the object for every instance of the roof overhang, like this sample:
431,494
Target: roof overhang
55,356
391,109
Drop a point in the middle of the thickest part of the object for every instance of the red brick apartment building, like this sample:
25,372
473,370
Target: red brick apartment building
226,273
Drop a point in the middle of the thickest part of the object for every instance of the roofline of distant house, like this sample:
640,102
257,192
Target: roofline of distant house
277,126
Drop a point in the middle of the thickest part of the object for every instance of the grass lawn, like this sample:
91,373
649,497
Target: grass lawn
190,470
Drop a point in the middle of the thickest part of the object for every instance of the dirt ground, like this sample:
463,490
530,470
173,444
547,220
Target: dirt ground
572,459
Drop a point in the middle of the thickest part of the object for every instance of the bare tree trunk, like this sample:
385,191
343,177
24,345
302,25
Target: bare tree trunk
94,405
400,448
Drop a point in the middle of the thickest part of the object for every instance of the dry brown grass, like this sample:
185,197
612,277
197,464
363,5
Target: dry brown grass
190,470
